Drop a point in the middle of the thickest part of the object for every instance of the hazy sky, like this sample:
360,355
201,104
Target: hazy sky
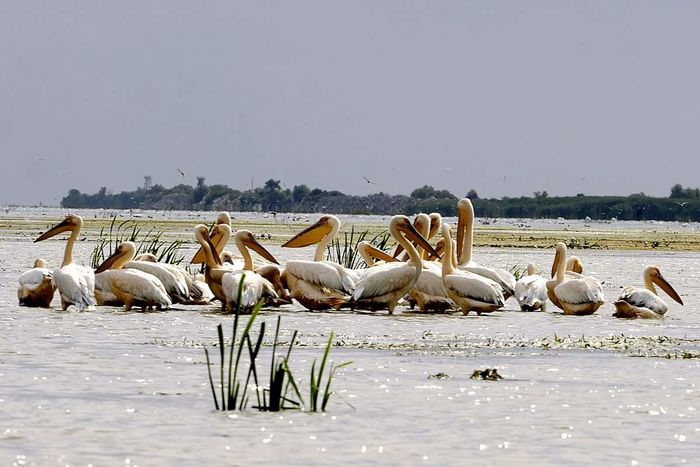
511,97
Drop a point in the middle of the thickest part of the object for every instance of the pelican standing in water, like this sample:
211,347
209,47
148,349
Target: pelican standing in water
254,285
318,284
471,292
75,283
636,302
531,290
132,287
465,244
213,271
382,286
579,296
36,287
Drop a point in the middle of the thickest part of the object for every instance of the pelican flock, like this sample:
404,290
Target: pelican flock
428,268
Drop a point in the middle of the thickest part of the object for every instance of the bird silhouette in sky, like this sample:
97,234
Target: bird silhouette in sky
368,180
181,172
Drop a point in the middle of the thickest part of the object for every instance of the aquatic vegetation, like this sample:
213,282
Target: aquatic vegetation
518,271
129,230
346,254
283,391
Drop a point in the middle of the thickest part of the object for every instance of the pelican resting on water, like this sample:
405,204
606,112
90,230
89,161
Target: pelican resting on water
636,302
471,292
531,290
36,287
578,296
132,287
383,285
318,284
465,244
75,283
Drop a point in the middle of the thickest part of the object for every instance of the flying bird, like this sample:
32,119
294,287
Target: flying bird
368,180
181,172
681,204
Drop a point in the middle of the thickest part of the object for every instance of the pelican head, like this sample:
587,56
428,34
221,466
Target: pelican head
223,218
201,233
403,225
652,274
70,223
435,224
314,233
124,253
39,263
465,219
249,240
574,264
227,257
150,257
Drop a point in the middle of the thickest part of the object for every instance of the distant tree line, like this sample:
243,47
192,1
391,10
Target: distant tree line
683,204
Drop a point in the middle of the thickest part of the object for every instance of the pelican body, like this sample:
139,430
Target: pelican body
578,296
75,283
531,290
471,292
465,244
36,287
382,286
132,287
318,284
636,302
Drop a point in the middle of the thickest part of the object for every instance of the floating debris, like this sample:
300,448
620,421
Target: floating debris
440,375
489,374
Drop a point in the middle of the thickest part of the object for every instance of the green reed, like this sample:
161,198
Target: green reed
345,252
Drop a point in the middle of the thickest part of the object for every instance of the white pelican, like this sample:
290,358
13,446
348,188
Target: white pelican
383,285
429,291
579,296
217,236
35,286
254,285
194,292
645,303
318,284
465,242
132,287
75,283
213,272
172,277
531,290
471,292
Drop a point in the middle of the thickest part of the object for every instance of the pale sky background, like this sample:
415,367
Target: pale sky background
506,97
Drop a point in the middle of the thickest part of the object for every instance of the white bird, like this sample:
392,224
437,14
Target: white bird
465,242
471,292
213,271
636,302
531,290
132,287
194,292
254,285
36,288
75,283
382,286
318,284
172,277
579,296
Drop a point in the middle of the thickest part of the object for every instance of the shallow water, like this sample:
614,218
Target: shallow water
115,388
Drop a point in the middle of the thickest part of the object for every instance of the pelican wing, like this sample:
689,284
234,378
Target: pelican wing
76,284
143,287
174,284
580,291
474,287
34,277
643,298
383,279
430,283
503,278
323,273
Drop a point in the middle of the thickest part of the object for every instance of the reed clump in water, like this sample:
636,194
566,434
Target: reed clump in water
283,391
346,254
128,230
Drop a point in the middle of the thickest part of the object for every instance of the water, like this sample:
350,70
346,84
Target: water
115,388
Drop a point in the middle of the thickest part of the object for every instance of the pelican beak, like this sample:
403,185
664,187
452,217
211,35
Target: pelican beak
106,264
661,281
440,247
253,244
397,252
215,254
310,235
461,225
63,226
216,235
376,253
434,226
413,235
555,264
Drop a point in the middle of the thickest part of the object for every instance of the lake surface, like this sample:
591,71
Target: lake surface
115,388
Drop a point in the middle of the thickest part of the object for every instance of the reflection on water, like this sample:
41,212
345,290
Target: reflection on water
115,388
